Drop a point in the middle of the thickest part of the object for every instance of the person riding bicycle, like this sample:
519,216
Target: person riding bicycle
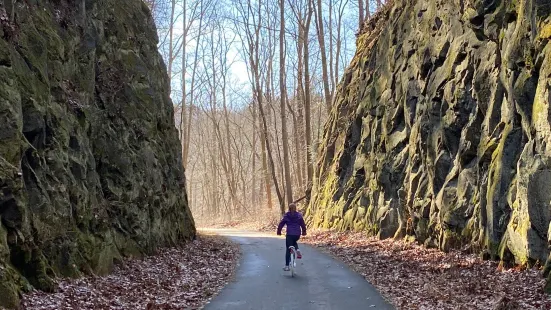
295,225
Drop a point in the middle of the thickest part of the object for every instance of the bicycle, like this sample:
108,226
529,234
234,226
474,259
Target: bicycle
292,263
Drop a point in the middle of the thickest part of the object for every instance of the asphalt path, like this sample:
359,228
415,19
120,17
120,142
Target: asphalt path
320,282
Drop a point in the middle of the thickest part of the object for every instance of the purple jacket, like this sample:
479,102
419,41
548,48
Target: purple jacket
294,223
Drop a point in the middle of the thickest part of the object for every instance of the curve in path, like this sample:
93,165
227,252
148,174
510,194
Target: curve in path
321,282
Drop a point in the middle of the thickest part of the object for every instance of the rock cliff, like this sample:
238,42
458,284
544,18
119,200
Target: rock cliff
90,165
441,129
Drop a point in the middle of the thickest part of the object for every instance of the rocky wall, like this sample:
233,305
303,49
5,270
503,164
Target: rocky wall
441,130
90,163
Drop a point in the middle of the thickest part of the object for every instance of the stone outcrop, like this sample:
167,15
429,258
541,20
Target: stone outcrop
90,165
441,130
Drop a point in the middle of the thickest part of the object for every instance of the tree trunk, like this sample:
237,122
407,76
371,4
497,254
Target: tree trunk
267,185
229,159
253,187
331,48
183,127
361,15
283,95
302,36
171,42
321,39
296,140
338,46
307,100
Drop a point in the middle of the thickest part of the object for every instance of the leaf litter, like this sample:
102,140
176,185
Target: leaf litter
183,277
411,276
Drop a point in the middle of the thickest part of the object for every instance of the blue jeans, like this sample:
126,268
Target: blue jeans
290,241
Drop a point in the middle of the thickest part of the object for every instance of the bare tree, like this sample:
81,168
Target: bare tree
198,11
252,40
171,53
307,94
361,13
283,95
321,38
340,9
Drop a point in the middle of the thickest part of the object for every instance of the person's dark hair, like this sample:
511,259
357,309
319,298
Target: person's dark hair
292,207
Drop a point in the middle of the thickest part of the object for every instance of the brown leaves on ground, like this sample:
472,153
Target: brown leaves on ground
413,277
174,278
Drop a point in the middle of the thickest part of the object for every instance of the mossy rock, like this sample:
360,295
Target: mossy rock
76,92
9,292
471,94
545,32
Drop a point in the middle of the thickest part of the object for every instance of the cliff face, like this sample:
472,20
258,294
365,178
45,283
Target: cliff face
441,129
90,167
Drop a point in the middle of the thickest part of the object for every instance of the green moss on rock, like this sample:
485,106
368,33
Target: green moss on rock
454,133
90,163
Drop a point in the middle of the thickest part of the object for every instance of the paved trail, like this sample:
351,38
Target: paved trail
321,283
